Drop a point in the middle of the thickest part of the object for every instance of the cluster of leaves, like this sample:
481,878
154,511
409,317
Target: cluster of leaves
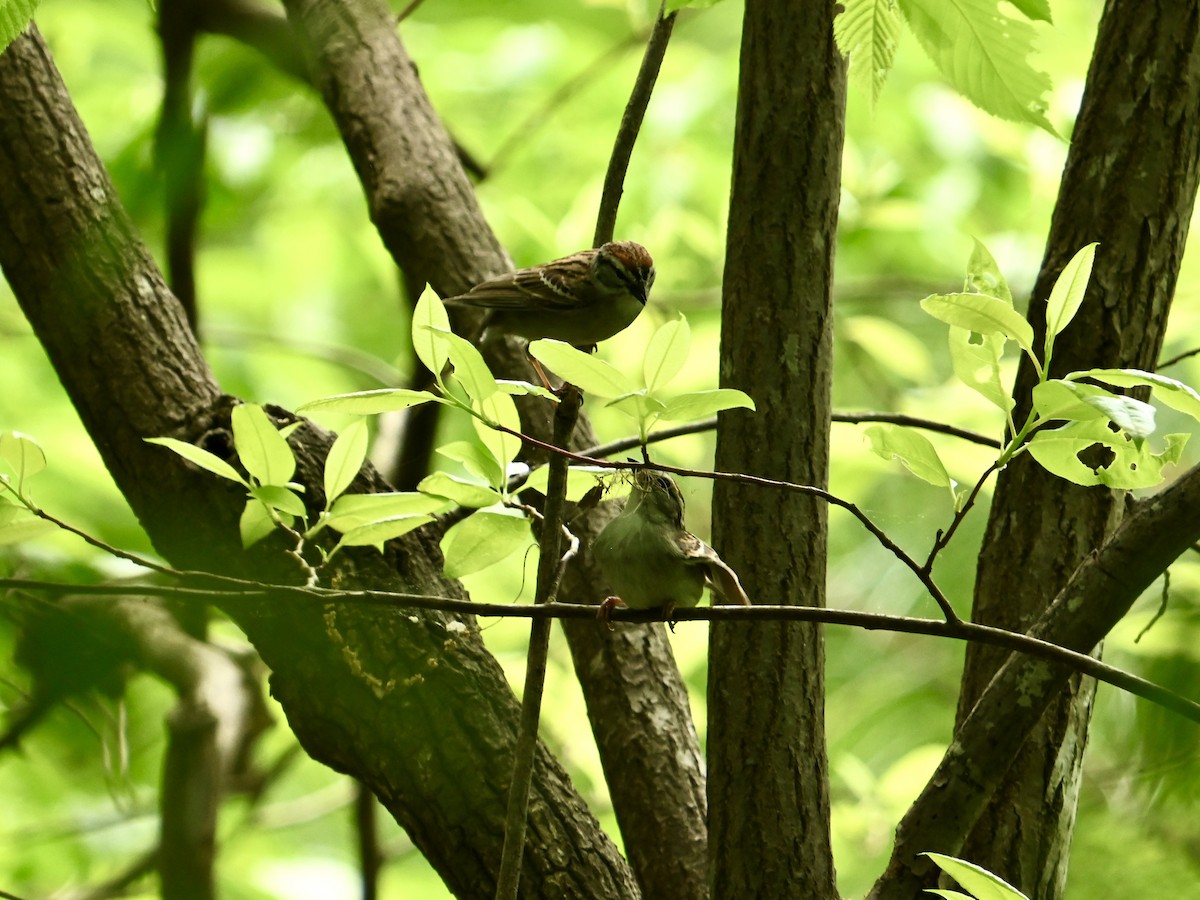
499,526
1069,415
979,49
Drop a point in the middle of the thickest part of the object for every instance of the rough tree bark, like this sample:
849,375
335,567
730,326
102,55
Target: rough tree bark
1130,182
768,772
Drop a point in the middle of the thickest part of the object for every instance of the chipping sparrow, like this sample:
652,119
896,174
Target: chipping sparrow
582,299
651,559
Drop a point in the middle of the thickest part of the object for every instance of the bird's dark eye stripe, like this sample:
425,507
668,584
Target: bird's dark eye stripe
634,279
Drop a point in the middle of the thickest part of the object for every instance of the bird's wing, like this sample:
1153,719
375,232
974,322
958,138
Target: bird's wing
545,287
723,580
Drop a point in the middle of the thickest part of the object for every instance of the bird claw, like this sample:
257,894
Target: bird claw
606,608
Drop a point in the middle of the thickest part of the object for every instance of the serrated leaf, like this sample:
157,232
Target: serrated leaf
976,361
279,499
983,54
912,450
255,523
666,353
15,15
345,459
981,313
464,493
1170,392
369,403
260,446
474,458
429,321
354,510
699,404
376,534
1067,294
202,458
469,368
868,32
984,275
1133,463
481,540
979,881
590,375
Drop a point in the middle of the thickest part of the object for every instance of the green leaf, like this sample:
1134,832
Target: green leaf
982,53
591,375
1168,391
280,499
1038,10
699,404
462,492
469,368
1133,464
15,15
984,275
376,534
1057,450
676,5
949,895
369,403
255,523
868,31
429,323
202,458
504,447
912,449
639,405
976,361
666,353
1132,416
519,388
483,539
354,510
18,524
979,881
1056,399
981,313
1067,294
22,453
890,345
260,446
345,459
474,458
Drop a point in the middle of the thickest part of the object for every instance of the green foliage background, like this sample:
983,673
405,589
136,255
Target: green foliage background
299,300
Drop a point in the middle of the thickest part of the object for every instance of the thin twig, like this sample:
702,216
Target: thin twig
916,422
550,567
943,537
1177,358
631,124
958,630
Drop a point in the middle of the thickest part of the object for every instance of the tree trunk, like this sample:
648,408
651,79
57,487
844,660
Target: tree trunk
1130,183
768,772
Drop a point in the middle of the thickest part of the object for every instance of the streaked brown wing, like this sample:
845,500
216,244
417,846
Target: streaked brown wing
542,287
724,581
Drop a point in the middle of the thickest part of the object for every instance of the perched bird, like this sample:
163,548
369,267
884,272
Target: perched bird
582,299
652,560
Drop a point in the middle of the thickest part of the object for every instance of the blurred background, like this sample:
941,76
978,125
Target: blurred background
298,300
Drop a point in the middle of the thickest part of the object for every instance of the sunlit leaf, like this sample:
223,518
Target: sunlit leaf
984,275
868,31
260,446
1132,416
639,405
15,15
1170,392
345,459
504,447
429,324
983,54
518,388
666,353
912,450
483,539
22,453
590,375
354,510
979,881
976,361
474,458
580,479
376,534
202,458
469,368
255,523
1067,294
700,404
981,313
18,524
280,499
369,403
464,493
